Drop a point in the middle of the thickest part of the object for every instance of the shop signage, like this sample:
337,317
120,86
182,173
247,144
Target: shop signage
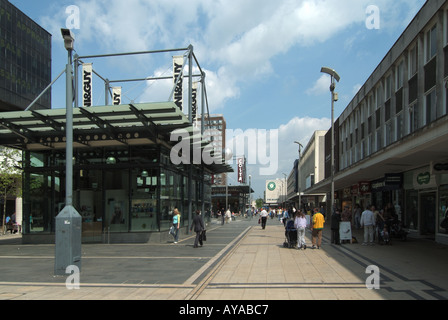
178,64
241,171
364,188
441,167
424,179
116,93
87,72
194,107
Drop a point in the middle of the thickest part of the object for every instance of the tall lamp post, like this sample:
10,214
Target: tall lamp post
68,221
299,174
334,97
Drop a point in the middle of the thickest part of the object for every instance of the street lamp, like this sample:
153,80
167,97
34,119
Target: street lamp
334,97
300,173
68,221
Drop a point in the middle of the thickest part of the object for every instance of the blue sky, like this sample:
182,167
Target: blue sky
262,58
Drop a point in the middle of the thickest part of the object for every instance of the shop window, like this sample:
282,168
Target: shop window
431,43
443,210
431,107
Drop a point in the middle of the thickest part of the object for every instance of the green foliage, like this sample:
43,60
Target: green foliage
10,177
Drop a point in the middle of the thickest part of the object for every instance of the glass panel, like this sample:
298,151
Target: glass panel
144,213
117,201
443,210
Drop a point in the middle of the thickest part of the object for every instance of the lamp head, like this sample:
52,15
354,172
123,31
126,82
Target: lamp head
331,72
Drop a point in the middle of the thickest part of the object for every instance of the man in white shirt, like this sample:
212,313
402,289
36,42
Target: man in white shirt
368,222
263,216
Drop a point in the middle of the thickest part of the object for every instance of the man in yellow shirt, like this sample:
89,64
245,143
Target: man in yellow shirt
317,227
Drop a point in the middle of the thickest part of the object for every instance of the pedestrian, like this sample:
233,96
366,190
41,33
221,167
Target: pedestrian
228,215
223,214
285,217
368,222
176,225
198,228
335,220
263,216
318,226
300,225
358,212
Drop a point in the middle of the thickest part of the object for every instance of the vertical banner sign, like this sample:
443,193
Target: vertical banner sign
116,95
87,77
178,63
194,94
241,170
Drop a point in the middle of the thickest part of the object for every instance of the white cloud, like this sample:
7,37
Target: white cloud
235,40
321,86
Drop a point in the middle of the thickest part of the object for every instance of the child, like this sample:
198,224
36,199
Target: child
385,235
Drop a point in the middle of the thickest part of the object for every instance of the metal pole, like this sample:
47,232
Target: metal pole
190,118
45,90
69,133
332,143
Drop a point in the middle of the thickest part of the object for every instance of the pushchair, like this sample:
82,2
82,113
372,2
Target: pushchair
290,235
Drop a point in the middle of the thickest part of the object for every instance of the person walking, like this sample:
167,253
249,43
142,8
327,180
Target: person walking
263,216
300,225
318,226
335,220
198,225
176,225
368,222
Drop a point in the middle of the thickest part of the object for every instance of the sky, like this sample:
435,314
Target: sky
262,58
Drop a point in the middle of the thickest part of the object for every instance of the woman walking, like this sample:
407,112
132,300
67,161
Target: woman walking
176,225
300,225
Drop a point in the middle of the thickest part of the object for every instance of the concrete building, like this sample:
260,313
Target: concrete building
391,139
308,170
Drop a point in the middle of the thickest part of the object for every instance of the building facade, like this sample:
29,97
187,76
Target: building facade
391,139
215,131
25,60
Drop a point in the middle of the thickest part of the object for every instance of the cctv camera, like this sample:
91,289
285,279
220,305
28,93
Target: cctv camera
69,38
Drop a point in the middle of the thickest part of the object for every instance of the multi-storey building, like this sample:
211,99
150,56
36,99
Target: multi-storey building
391,139
25,60
215,131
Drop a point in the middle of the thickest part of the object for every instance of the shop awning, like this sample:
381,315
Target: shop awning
103,126
131,124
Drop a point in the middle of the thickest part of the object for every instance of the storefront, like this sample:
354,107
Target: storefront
237,198
125,185
426,203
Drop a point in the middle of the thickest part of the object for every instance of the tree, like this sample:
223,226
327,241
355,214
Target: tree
259,203
10,177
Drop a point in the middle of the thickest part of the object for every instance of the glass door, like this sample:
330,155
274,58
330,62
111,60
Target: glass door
428,208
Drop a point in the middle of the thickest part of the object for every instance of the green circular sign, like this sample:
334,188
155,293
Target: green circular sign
271,186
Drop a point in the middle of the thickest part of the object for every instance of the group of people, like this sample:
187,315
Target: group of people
370,219
317,221
316,224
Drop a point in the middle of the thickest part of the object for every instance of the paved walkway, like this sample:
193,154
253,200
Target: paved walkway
240,261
